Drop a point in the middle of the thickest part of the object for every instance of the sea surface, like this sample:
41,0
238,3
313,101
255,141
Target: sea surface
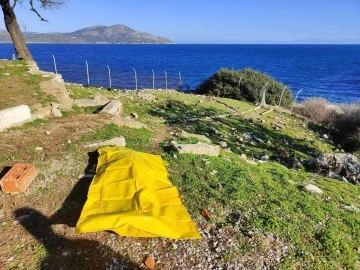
329,71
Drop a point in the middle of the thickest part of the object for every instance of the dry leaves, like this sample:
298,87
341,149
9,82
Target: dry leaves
205,213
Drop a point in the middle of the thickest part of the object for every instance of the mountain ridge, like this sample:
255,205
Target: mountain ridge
96,34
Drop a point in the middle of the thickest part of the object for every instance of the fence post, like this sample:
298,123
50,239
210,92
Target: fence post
180,80
153,79
109,77
295,100
282,93
87,72
166,85
55,64
136,84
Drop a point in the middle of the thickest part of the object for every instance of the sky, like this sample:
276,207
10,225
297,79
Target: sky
210,21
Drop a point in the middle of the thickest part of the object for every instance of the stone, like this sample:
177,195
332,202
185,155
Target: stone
247,136
265,158
39,148
134,115
131,123
55,110
197,149
14,116
351,208
118,141
339,164
201,138
223,144
6,74
325,136
243,156
313,189
114,107
90,102
47,132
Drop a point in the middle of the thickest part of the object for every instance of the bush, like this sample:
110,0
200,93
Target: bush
342,120
346,127
225,83
318,110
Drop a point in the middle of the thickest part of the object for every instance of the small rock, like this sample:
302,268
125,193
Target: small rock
6,74
55,110
243,156
313,189
68,141
65,253
134,115
265,158
10,259
223,144
47,132
325,136
39,148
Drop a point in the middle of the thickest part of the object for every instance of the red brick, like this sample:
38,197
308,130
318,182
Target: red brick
18,178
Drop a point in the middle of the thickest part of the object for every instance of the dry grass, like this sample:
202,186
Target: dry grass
343,120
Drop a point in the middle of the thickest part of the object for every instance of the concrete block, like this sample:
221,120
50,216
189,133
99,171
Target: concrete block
90,102
18,178
198,149
114,107
14,116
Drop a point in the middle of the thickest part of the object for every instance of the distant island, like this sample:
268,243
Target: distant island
98,34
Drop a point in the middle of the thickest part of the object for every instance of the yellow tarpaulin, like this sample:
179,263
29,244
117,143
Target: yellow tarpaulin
132,196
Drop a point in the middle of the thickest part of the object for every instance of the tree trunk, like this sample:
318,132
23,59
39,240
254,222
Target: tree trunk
13,28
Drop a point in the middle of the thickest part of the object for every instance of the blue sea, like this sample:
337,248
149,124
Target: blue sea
329,71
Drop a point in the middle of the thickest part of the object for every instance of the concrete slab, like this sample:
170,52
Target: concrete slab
14,116
114,107
198,149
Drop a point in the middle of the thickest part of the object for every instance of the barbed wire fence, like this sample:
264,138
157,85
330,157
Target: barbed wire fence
115,77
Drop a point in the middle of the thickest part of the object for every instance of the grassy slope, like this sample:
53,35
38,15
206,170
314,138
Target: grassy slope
262,198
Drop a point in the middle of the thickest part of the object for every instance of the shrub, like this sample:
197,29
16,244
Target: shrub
225,83
342,120
346,127
318,110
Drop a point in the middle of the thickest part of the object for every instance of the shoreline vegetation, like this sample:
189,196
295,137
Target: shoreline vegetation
264,208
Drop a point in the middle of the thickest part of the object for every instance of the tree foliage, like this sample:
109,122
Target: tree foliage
246,85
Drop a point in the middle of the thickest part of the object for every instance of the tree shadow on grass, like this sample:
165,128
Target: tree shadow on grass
65,253
71,208
201,120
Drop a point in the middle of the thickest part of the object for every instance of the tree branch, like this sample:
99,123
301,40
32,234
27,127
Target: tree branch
14,4
36,12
